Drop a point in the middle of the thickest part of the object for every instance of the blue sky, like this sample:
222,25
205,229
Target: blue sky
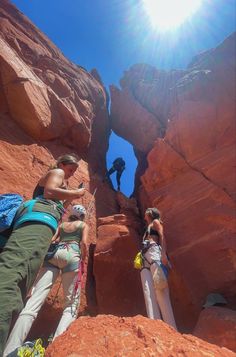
112,35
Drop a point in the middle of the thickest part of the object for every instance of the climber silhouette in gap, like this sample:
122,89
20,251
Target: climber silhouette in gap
118,166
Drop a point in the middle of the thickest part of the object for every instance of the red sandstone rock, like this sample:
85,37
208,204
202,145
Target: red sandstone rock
217,325
151,88
130,337
191,178
141,109
190,174
127,206
48,96
118,285
199,227
131,121
44,96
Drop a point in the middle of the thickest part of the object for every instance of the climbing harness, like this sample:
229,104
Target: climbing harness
31,215
139,257
160,273
78,281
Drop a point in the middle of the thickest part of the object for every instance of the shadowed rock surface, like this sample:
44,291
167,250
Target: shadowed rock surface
217,325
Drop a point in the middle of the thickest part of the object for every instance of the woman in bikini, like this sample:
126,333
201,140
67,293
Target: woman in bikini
155,270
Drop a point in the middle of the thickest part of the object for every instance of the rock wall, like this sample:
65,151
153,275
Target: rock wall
61,100
118,286
45,97
190,172
49,107
182,126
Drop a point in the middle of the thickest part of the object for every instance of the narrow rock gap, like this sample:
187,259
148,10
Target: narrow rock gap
118,147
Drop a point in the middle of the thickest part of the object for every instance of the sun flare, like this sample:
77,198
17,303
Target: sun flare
169,14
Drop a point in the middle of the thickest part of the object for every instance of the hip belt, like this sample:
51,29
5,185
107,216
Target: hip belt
34,216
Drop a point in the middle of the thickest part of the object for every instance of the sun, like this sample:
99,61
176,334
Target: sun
165,15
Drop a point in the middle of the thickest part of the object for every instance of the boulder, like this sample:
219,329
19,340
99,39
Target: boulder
129,336
118,284
217,325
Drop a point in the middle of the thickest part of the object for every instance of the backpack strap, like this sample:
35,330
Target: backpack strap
147,260
29,205
3,241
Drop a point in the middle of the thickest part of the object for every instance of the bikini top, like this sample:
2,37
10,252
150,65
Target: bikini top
38,191
152,232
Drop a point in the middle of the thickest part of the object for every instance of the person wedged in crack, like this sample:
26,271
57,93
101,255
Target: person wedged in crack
118,166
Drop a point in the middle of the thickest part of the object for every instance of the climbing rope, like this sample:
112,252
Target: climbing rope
90,205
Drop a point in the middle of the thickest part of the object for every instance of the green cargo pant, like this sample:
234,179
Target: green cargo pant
19,264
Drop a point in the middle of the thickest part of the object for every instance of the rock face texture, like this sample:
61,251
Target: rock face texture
130,337
190,173
182,126
139,111
49,107
217,325
43,93
118,239
61,100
